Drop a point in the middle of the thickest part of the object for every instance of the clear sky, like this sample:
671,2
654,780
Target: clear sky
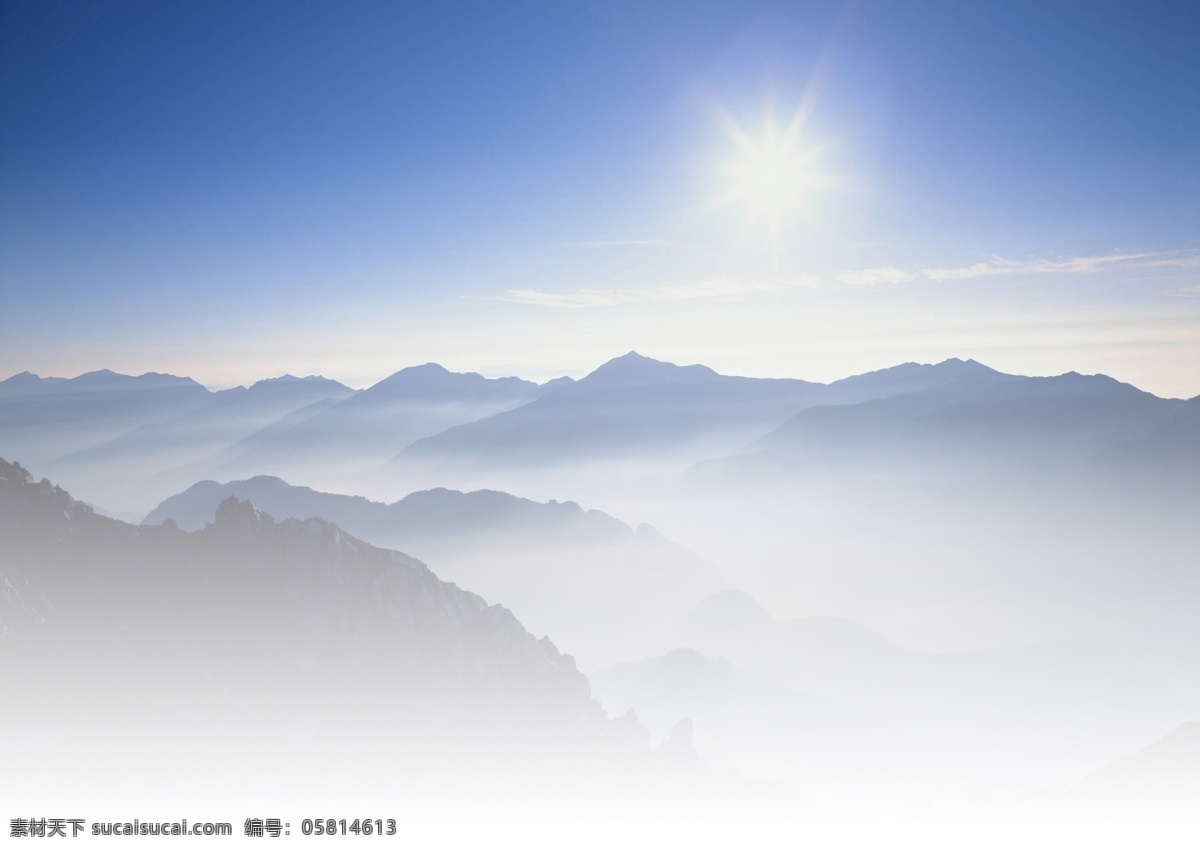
234,190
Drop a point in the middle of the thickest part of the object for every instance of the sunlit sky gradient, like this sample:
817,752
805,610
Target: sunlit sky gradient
234,190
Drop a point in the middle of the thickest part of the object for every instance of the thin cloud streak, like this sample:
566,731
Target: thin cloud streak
1186,292
876,275
714,289
994,266
1072,265
729,288
625,243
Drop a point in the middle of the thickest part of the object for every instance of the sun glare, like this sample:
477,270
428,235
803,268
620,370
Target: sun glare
772,179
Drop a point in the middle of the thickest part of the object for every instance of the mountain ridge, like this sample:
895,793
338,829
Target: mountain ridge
535,556
299,579
190,508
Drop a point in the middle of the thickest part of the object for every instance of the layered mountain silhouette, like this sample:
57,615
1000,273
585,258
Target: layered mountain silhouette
105,431
432,516
629,405
45,418
1169,449
1161,780
905,378
383,419
565,571
845,662
637,407
198,432
255,645
745,720
951,506
1006,418
125,440
834,709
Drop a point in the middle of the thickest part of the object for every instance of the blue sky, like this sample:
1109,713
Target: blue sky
236,190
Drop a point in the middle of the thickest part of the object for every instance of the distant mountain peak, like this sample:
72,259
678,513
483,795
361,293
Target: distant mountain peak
556,383
435,378
426,374
28,382
1096,379
291,380
730,608
632,365
430,368
913,375
146,379
240,514
631,358
963,364
262,479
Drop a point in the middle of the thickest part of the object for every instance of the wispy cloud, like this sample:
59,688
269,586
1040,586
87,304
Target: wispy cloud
1193,290
876,275
733,288
1070,265
994,266
578,298
624,243
710,289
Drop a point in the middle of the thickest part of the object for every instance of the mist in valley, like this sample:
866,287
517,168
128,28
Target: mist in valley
932,590
602,425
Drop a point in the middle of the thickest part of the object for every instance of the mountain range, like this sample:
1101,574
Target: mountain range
565,571
127,442
637,407
1040,420
433,515
827,705
1029,537
259,646
378,422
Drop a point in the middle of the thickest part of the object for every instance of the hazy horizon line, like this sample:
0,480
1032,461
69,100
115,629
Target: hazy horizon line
577,374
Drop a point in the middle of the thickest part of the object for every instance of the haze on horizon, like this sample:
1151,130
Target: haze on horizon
230,192
908,587
867,522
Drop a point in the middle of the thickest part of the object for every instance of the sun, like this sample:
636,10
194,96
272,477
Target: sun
773,177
